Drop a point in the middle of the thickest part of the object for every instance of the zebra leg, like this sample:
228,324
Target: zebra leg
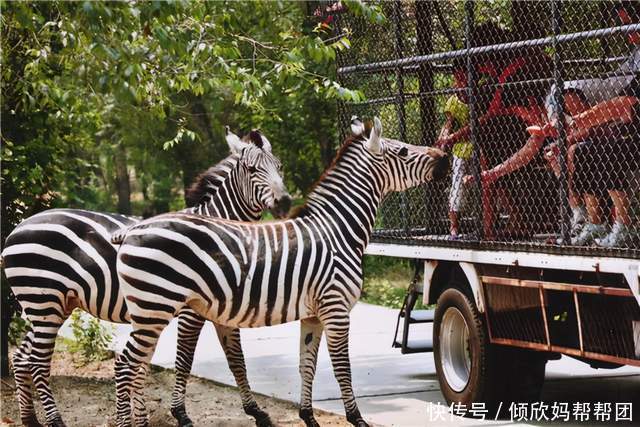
189,327
336,326
310,336
45,330
22,376
232,346
140,415
137,352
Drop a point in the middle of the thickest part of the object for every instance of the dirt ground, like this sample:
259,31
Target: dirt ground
86,397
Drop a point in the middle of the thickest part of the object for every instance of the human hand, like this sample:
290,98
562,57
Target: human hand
487,177
551,156
444,143
548,130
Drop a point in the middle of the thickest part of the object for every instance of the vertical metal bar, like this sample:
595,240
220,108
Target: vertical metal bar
577,304
343,109
558,99
543,303
400,108
469,23
487,307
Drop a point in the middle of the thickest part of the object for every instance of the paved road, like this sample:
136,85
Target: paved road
392,389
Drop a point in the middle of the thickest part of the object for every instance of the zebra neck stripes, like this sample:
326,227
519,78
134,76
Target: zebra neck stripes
222,192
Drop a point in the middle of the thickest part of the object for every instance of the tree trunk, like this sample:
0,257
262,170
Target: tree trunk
424,29
122,180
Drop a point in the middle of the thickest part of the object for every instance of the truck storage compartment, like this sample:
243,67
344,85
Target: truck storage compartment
587,321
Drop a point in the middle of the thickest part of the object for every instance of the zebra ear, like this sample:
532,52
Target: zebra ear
357,127
254,136
259,140
374,143
266,145
235,144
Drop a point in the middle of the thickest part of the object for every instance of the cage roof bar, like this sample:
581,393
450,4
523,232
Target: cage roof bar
420,59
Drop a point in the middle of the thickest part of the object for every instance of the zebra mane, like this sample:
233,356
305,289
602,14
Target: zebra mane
303,210
208,182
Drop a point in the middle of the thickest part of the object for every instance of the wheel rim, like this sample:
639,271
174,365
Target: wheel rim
454,349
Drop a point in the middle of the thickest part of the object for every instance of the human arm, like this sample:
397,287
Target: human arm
618,109
464,132
443,137
521,158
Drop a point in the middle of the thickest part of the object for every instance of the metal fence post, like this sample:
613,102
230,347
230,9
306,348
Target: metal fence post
469,23
558,99
398,51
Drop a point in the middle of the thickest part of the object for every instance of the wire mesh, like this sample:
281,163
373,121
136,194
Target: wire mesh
533,167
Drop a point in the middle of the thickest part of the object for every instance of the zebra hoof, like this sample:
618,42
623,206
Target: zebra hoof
180,414
261,417
307,416
56,422
31,421
356,419
264,422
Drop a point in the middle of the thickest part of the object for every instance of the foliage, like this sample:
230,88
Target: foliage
92,87
386,280
17,329
117,106
90,338
380,291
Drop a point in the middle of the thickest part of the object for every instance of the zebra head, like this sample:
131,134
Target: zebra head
401,165
262,170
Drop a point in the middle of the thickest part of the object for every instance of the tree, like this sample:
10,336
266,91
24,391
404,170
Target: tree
118,105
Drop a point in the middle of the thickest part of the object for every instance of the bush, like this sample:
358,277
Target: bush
17,329
386,281
382,292
90,339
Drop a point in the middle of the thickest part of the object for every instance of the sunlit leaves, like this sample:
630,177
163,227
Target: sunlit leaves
373,13
182,135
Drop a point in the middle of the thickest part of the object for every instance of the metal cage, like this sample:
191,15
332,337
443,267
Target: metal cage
533,167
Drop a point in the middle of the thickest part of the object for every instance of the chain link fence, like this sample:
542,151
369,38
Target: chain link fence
536,104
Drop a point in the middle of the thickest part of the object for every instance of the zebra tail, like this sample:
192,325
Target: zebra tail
118,236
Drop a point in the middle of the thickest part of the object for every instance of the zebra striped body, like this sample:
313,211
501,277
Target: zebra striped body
250,275
62,259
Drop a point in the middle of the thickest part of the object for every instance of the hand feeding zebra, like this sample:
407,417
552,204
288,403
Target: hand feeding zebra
307,268
61,259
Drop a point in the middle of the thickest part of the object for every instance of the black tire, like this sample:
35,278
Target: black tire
496,373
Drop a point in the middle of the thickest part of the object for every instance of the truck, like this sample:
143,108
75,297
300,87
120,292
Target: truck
515,287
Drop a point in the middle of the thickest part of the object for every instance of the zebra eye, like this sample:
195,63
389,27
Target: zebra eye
403,152
253,169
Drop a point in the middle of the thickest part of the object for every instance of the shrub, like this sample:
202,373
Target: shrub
17,329
90,338
386,281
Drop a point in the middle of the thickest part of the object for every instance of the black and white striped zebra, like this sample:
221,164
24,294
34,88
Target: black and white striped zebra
307,268
61,259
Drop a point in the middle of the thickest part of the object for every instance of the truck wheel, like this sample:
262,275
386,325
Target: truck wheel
469,368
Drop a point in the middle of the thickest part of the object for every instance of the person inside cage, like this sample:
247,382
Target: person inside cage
456,113
509,106
601,138
455,132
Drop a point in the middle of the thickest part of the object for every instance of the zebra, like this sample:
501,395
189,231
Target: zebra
61,259
241,275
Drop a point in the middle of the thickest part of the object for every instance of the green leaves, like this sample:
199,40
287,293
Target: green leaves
373,13
160,79
182,134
